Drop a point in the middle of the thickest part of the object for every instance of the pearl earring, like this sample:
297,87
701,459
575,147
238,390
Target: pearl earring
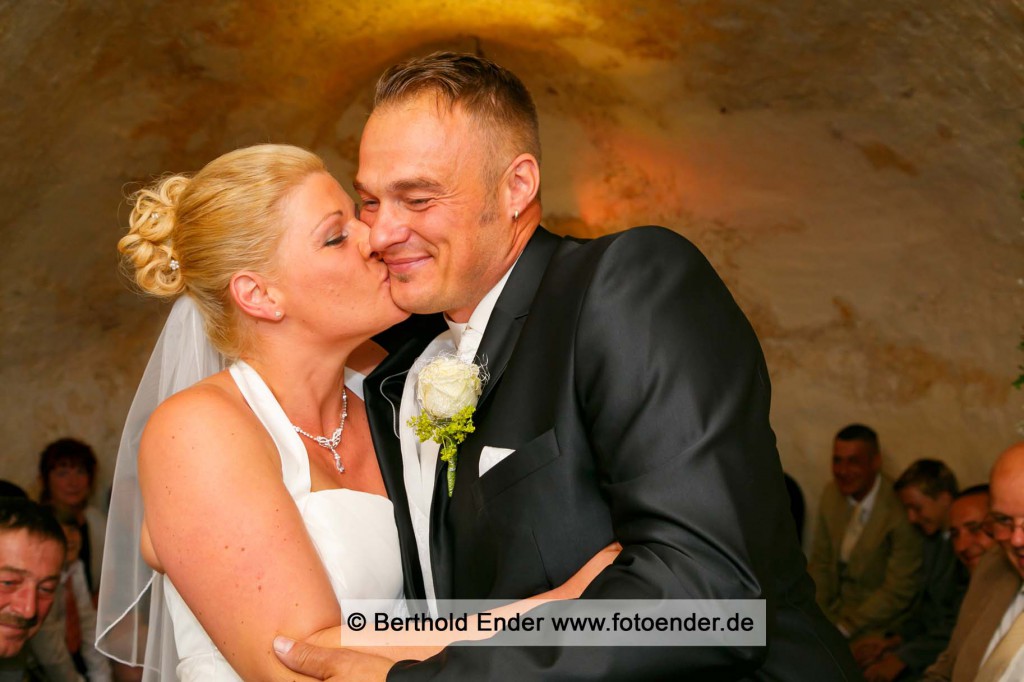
515,216
277,314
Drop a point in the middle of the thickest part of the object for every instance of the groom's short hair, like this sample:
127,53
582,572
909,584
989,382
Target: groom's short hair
491,94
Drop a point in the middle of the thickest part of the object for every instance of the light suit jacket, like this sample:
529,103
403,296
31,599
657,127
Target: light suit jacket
874,591
994,585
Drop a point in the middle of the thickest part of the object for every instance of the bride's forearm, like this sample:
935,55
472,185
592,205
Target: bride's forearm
574,586
421,645
415,645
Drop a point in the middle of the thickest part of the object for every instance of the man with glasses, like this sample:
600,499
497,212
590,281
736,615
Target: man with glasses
966,525
988,639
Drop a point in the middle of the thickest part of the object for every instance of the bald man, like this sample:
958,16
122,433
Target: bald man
988,640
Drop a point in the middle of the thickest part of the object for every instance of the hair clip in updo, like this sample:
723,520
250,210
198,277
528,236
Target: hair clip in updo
174,265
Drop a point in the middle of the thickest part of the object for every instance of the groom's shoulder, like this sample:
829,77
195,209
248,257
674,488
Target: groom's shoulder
645,243
415,327
651,240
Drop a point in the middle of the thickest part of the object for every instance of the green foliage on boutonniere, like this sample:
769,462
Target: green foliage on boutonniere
448,433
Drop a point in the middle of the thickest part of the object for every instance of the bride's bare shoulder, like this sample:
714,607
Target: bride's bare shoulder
217,393
202,418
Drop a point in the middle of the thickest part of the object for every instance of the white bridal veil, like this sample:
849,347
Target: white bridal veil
133,625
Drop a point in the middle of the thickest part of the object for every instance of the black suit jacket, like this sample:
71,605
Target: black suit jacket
636,397
930,623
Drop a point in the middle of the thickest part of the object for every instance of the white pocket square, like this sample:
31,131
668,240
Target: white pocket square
490,456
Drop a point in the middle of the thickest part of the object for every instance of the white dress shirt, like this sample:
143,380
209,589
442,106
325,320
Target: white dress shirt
468,335
868,503
861,514
419,460
855,527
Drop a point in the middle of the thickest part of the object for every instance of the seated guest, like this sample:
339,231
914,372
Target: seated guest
73,612
865,557
988,639
966,525
926,490
31,555
8,489
67,472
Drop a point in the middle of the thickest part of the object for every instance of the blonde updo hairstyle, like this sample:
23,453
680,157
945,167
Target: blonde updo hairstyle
190,235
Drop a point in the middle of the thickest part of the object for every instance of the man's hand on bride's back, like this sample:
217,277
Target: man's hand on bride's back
331,664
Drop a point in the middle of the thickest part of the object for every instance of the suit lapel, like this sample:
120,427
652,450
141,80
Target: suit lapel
383,395
874,528
1001,584
839,519
514,305
496,349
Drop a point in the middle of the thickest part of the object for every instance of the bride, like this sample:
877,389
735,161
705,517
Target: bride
262,506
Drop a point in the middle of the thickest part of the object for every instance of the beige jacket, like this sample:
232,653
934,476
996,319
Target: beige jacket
994,585
874,591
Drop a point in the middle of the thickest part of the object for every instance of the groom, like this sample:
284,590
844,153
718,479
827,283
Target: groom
627,401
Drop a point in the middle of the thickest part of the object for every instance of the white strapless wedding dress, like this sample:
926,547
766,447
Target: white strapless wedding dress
354,533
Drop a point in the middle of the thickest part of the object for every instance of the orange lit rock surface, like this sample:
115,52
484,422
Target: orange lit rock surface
851,168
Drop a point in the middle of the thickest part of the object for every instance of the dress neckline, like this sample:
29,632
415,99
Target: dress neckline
268,410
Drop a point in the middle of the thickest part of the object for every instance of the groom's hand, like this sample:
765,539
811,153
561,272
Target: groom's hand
334,665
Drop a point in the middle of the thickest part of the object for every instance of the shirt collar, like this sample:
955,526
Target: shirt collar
482,313
868,503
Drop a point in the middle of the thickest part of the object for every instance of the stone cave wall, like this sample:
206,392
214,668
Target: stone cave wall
851,168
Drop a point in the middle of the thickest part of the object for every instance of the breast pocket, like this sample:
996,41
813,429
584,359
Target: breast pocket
490,456
524,462
543,510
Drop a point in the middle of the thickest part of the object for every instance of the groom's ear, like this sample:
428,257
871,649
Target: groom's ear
253,295
523,182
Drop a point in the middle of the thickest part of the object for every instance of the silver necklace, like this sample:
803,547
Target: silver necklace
334,441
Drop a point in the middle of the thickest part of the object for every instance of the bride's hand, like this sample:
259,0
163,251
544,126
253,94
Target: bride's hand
574,586
320,654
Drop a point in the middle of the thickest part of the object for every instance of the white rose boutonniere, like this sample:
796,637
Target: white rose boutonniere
447,390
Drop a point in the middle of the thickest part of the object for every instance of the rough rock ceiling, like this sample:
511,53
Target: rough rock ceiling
769,132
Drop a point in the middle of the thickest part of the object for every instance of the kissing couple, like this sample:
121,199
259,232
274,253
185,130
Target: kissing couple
616,444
